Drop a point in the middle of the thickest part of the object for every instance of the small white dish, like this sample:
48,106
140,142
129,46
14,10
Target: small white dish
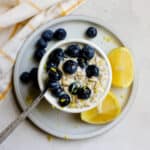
53,100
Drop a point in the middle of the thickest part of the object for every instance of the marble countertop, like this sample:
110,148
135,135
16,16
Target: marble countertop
130,20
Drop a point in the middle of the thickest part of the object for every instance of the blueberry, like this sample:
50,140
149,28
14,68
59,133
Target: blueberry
33,74
41,43
54,74
73,50
91,32
60,34
92,70
70,67
57,92
25,77
56,56
87,52
73,88
53,85
47,35
39,53
82,62
84,93
50,64
64,100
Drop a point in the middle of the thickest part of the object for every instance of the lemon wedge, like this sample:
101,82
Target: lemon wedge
104,113
122,67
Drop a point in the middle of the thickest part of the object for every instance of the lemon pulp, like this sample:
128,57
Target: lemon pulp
104,113
122,67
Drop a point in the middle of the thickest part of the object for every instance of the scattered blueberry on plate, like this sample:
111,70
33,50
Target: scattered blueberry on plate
39,53
25,77
33,74
60,34
41,43
47,35
91,32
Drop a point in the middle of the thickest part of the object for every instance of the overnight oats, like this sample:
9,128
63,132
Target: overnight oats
77,75
76,72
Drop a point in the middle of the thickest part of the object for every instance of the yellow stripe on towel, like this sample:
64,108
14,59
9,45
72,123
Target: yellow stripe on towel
2,52
63,12
34,5
73,7
17,2
30,26
17,27
14,31
3,94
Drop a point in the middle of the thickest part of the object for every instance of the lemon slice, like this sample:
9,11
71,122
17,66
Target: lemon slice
122,67
104,113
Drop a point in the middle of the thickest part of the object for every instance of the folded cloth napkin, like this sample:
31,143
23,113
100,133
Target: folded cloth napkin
20,31
28,8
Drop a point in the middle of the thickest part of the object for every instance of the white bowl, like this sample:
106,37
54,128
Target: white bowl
51,99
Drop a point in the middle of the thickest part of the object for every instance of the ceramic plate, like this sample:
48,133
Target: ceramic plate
46,117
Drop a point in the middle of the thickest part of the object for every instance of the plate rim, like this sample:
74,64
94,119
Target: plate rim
109,126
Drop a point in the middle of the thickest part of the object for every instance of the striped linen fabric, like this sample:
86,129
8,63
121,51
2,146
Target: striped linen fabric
18,19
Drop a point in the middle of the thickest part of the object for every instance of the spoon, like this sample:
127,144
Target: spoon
8,130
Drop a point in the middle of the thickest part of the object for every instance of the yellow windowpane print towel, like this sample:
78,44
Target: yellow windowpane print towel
18,19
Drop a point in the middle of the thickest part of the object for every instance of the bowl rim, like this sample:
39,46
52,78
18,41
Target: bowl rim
49,96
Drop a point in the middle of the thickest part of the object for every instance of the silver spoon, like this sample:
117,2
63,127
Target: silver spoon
8,130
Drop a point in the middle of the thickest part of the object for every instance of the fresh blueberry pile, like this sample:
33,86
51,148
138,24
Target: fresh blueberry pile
41,44
81,57
26,77
47,36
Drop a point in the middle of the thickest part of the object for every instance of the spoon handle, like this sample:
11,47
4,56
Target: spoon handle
8,130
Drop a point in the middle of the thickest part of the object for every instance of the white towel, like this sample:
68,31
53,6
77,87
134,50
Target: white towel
20,32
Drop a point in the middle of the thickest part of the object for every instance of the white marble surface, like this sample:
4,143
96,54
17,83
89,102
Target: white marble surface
130,20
